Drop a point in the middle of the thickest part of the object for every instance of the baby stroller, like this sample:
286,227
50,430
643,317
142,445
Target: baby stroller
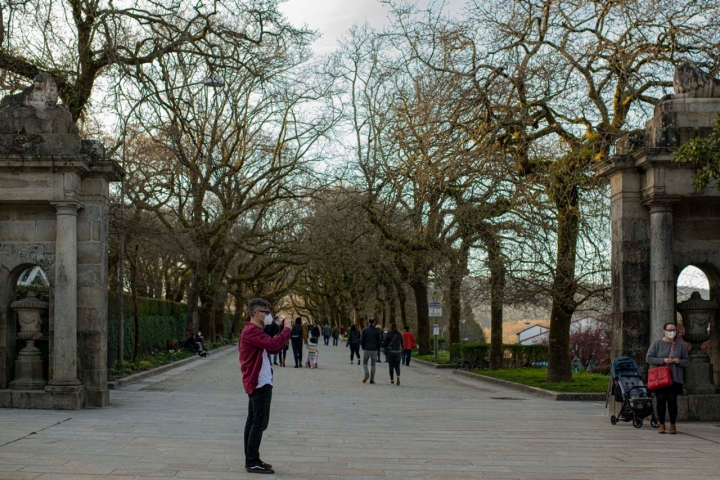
628,389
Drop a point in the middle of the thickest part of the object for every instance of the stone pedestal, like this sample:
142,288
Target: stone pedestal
696,315
29,364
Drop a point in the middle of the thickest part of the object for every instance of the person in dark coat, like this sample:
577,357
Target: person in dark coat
353,341
393,345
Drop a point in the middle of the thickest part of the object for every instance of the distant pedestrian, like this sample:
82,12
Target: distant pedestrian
409,343
353,341
326,332
313,353
257,376
382,336
370,341
393,347
283,353
335,336
296,339
306,332
342,330
668,351
315,331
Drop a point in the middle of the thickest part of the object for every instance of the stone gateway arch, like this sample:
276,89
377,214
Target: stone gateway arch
54,208
660,225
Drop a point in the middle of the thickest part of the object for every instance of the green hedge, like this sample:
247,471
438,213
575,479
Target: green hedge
515,355
160,321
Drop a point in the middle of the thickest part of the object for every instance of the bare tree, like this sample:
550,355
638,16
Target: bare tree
80,41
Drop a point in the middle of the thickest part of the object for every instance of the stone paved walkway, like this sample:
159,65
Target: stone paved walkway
326,424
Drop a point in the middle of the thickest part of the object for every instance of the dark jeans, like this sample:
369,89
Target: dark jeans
335,340
327,339
297,350
406,357
257,421
354,350
668,397
393,360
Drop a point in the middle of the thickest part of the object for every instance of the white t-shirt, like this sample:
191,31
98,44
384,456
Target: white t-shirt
265,377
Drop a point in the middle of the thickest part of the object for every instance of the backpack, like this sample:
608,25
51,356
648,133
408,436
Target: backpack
296,331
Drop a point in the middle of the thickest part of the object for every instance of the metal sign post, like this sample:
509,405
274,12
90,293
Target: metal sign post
436,332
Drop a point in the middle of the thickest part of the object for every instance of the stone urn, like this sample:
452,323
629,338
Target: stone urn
29,364
696,317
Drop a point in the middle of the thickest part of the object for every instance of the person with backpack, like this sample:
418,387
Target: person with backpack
353,341
393,343
370,341
296,340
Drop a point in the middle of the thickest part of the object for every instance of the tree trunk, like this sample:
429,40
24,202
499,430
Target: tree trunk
393,307
133,293
497,296
455,309
193,295
419,287
207,317
219,320
402,298
563,289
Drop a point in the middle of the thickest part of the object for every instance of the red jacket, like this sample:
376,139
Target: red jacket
253,342
409,341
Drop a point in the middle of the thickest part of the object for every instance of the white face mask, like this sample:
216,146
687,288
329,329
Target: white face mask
268,319
671,334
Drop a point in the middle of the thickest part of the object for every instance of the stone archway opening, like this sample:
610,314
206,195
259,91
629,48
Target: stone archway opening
692,279
30,312
33,279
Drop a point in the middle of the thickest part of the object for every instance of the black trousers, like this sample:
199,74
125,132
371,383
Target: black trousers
297,350
406,357
667,402
393,360
354,350
257,421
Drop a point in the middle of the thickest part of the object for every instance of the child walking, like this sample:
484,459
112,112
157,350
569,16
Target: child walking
312,353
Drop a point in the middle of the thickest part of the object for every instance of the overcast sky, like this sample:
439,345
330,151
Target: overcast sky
332,18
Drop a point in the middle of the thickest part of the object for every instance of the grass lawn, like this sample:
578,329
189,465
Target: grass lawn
443,357
535,377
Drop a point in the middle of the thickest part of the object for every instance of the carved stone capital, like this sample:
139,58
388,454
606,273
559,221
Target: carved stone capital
661,203
67,208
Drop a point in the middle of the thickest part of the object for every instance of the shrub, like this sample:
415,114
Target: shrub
515,355
160,321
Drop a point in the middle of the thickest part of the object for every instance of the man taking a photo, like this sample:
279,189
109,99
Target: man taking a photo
254,349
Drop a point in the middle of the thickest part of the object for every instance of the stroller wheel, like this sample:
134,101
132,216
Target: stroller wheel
637,422
613,419
655,423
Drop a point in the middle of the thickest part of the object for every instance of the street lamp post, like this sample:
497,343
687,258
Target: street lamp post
214,82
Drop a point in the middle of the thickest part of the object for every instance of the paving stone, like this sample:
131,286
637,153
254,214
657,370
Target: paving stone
327,424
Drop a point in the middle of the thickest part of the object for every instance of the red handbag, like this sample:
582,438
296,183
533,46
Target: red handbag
661,377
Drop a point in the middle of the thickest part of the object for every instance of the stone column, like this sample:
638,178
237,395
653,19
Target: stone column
630,261
64,354
662,273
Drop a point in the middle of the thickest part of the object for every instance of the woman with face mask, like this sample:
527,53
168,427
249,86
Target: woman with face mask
668,351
